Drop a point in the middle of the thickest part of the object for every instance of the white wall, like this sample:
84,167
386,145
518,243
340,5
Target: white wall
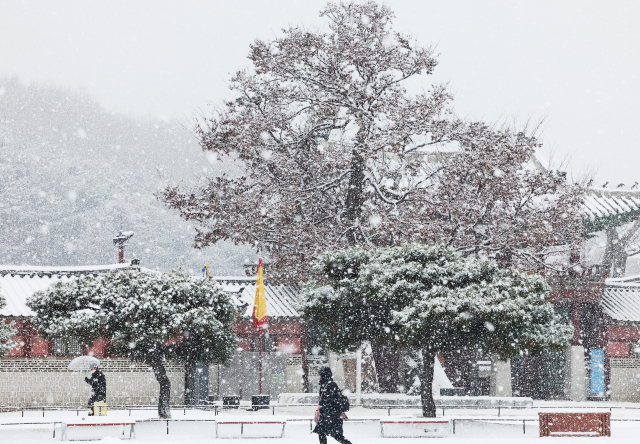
27,382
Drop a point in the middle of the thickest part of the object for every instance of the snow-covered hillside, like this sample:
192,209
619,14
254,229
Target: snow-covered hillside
72,174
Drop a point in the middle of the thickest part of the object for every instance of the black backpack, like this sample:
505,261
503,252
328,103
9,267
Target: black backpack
344,403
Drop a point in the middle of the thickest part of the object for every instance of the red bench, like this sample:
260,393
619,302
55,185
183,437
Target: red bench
242,423
67,425
428,427
575,424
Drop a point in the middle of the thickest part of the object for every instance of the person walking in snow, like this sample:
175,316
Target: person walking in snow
331,408
98,387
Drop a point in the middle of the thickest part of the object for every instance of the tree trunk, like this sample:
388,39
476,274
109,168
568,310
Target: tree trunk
354,199
615,253
387,366
164,411
426,384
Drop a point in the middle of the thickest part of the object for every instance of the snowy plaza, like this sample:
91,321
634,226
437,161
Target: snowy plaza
197,427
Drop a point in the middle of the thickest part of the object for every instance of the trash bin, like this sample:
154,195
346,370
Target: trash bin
260,402
230,402
99,409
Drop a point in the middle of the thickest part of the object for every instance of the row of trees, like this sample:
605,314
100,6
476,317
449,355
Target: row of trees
411,296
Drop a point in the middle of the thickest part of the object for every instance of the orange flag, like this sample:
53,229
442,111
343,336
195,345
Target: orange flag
260,303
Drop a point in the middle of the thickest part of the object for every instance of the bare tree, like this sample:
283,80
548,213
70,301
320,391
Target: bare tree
337,152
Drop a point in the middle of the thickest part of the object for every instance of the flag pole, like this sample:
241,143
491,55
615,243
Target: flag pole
260,318
260,360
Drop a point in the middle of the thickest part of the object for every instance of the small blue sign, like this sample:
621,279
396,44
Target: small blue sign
597,371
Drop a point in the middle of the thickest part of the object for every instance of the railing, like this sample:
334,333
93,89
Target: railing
217,407
8,408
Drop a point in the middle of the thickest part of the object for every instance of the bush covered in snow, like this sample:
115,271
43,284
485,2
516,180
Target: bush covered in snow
6,333
431,299
148,317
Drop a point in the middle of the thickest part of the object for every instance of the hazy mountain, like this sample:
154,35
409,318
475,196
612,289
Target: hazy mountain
72,174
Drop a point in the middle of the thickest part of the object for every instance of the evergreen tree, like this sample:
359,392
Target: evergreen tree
429,298
6,333
148,317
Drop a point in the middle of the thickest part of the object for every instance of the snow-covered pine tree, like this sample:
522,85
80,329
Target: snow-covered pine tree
6,333
148,317
431,299
337,152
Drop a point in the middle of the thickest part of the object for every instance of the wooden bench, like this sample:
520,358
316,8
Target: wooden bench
67,425
428,427
242,423
575,424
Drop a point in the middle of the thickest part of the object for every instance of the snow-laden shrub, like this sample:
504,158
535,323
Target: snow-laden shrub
148,317
429,298
6,333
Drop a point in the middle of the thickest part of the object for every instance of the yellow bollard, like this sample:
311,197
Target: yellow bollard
99,409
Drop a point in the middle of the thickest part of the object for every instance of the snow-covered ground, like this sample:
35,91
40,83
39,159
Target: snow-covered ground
364,427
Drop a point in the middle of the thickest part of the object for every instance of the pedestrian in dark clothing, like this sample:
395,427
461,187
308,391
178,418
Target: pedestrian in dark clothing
98,387
331,409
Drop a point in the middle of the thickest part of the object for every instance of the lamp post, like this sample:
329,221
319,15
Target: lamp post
120,241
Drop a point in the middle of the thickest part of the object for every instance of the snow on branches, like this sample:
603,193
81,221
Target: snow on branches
336,152
148,317
429,298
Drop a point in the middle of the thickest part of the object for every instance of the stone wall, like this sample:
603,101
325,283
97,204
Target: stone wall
625,379
246,374
29,382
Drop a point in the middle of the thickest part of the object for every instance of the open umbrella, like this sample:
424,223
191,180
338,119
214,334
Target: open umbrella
83,363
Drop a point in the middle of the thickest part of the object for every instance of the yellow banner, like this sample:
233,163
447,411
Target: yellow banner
260,303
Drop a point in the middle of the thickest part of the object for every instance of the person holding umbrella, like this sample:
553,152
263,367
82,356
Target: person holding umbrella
98,386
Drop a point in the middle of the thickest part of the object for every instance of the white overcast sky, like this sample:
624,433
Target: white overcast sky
575,63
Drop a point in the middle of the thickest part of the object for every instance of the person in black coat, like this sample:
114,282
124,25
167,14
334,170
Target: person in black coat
330,403
98,387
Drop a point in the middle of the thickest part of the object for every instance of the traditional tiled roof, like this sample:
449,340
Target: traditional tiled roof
27,270
281,299
17,284
621,299
603,207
